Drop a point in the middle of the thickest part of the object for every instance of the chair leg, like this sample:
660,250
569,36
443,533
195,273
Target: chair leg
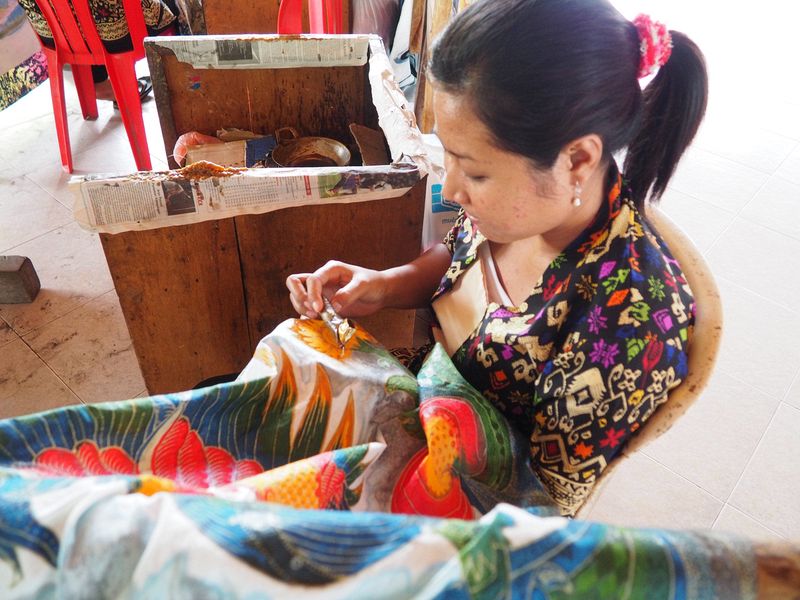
84,83
333,16
122,73
55,71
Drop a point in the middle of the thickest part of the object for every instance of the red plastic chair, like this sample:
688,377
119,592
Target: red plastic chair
78,44
324,16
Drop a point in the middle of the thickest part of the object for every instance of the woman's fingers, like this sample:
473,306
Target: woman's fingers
314,291
347,294
334,280
298,294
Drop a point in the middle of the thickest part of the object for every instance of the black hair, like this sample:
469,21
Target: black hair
541,73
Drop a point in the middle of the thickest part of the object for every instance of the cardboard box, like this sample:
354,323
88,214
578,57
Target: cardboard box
200,263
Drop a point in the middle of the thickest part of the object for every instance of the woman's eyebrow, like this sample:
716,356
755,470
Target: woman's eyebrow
446,149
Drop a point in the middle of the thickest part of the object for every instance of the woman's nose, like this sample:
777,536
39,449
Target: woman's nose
451,189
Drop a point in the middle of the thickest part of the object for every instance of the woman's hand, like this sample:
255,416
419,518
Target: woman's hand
357,292
353,291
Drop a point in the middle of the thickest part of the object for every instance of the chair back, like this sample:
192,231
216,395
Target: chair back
707,334
702,350
324,16
75,33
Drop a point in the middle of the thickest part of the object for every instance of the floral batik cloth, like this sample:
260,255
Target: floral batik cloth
587,358
279,485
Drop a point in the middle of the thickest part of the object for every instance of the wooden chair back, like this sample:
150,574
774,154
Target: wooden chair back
702,351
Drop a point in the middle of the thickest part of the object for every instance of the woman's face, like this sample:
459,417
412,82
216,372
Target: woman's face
506,199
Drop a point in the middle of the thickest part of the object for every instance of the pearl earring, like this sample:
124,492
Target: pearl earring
576,200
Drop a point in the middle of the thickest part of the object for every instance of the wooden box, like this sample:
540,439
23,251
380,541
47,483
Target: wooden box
197,297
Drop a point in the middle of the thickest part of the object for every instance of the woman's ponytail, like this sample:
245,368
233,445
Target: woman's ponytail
674,103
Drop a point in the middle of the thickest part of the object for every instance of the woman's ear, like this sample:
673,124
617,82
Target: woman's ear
584,156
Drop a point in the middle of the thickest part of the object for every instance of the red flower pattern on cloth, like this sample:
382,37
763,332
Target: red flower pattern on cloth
87,459
178,455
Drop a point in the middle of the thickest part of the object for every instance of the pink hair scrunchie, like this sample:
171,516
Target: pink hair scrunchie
655,44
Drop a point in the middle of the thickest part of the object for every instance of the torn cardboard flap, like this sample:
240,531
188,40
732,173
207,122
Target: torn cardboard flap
395,116
371,143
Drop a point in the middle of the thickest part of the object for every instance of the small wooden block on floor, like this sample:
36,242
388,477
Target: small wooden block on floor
18,280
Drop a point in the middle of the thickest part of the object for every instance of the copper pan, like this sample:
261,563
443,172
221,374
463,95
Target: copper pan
292,150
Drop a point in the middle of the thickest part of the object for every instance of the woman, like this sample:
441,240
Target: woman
554,297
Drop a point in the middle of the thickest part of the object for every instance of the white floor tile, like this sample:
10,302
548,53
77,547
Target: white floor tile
753,147
27,213
735,521
27,384
790,169
33,145
29,146
769,491
35,104
701,221
776,206
781,117
52,181
72,270
90,349
793,397
760,260
712,443
642,493
104,148
110,154
717,180
759,343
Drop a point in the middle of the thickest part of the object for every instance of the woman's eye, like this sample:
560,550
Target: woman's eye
476,178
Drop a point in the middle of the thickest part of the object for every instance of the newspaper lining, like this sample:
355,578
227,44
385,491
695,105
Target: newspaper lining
150,200
267,51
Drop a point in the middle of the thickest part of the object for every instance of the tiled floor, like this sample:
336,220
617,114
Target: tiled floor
731,463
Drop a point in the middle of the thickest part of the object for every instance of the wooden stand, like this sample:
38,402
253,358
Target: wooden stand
198,298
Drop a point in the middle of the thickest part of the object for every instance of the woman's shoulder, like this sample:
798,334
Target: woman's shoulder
628,292
629,254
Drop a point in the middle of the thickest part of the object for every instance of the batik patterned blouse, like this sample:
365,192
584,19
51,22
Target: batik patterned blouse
587,358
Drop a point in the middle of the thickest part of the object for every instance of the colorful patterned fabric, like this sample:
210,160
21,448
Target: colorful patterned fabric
22,64
23,78
178,495
95,538
473,459
589,356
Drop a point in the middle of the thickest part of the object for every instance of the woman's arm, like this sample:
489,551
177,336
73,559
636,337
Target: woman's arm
355,291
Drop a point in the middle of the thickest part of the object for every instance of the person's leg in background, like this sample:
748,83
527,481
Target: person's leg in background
102,85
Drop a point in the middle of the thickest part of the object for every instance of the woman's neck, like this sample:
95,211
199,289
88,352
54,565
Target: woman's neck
520,264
